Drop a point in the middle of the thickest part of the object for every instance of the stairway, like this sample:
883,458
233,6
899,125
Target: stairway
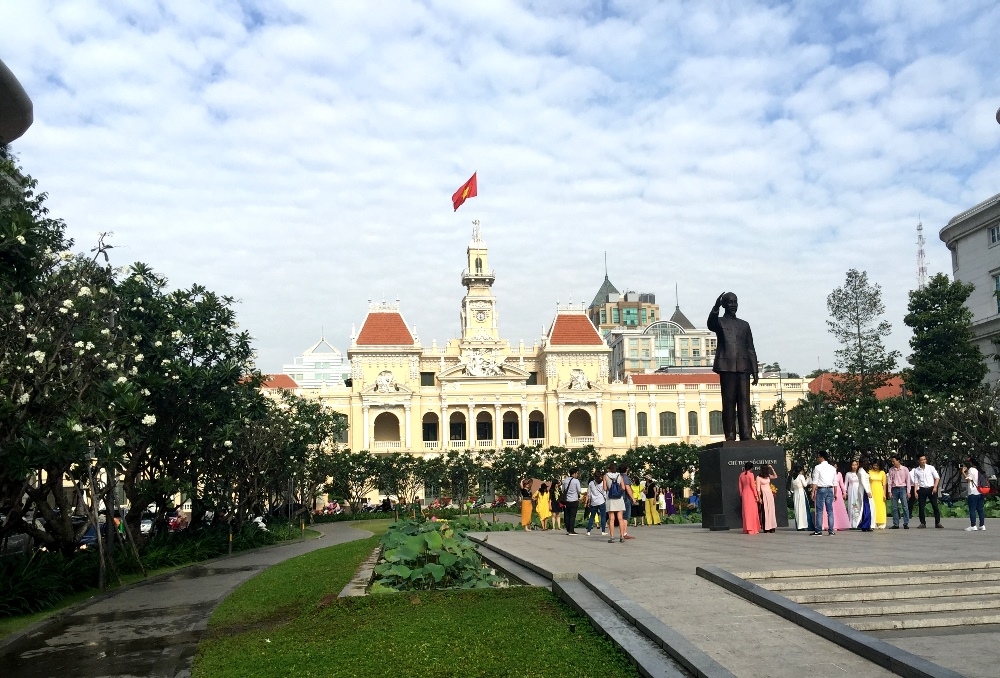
894,598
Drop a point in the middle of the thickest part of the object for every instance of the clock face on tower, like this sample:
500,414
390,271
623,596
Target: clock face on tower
481,316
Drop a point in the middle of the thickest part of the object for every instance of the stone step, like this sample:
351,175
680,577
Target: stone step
876,569
916,607
853,596
923,621
516,572
913,579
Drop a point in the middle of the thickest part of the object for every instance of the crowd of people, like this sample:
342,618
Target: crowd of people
611,499
829,500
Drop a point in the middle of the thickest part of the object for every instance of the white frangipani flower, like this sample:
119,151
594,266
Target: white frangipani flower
19,308
21,240
149,419
23,400
120,442
77,428
84,292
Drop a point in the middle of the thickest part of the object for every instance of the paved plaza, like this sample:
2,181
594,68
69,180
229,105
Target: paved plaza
657,570
154,629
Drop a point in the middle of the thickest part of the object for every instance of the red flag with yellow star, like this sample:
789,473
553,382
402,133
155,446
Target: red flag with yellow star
468,190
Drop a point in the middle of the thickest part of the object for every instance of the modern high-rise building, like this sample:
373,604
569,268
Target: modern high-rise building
611,308
320,366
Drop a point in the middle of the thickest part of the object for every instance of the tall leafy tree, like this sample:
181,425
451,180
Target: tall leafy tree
856,310
944,361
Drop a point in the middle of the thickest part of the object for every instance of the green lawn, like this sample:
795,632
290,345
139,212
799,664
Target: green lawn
288,621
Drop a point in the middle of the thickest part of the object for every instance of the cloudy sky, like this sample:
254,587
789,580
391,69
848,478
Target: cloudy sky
301,156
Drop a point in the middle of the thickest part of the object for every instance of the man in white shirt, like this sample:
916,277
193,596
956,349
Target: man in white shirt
925,486
824,477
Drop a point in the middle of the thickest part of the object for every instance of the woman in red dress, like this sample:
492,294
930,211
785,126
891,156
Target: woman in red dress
750,498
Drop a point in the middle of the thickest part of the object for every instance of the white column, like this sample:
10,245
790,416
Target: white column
682,422
368,432
654,423
497,427
522,424
703,406
470,427
562,424
444,427
600,424
406,414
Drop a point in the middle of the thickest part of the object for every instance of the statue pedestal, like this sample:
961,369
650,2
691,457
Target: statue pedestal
720,466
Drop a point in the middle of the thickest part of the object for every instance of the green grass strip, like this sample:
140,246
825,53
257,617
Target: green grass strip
288,621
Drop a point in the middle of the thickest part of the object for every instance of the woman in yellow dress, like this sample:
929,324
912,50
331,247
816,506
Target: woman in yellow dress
542,505
525,490
876,476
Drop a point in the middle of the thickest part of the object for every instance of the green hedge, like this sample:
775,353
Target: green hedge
35,583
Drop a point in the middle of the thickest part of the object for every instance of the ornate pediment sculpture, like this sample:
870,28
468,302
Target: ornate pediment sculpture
483,362
578,381
385,382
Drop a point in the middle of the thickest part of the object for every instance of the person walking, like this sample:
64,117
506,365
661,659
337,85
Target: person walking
824,477
974,497
899,489
661,504
572,491
650,490
764,479
880,491
543,506
614,490
925,487
749,499
799,484
597,502
525,491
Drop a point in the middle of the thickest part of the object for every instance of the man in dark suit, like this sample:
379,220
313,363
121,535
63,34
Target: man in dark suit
735,363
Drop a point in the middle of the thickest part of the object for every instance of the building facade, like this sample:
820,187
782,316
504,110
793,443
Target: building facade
974,240
478,391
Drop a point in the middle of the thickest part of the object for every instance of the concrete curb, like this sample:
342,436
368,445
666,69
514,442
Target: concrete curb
551,576
673,643
358,586
650,659
14,642
886,569
892,658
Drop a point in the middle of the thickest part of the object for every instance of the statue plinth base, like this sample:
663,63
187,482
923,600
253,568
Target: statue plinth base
720,466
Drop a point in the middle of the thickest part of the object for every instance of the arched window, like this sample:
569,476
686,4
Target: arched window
429,427
668,423
479,265
642,424
692,423
715,423
579,424
618,423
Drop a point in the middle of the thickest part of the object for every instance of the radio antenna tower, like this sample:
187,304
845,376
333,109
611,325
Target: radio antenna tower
921,257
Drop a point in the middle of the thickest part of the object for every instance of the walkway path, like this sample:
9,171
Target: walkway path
657,570
153,630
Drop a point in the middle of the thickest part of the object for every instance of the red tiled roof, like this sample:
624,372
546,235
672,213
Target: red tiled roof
574,330
824,384
280,381
384,329
698,378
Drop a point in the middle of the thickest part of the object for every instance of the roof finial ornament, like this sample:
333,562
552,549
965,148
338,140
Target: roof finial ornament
677,295
605,264
476,234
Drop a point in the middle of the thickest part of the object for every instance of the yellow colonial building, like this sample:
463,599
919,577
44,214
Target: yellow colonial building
479,391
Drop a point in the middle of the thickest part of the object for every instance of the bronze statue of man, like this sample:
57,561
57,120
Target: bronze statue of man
735,363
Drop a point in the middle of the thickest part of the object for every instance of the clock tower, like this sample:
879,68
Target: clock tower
479,306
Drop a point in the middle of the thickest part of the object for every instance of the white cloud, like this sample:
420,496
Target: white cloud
301,157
